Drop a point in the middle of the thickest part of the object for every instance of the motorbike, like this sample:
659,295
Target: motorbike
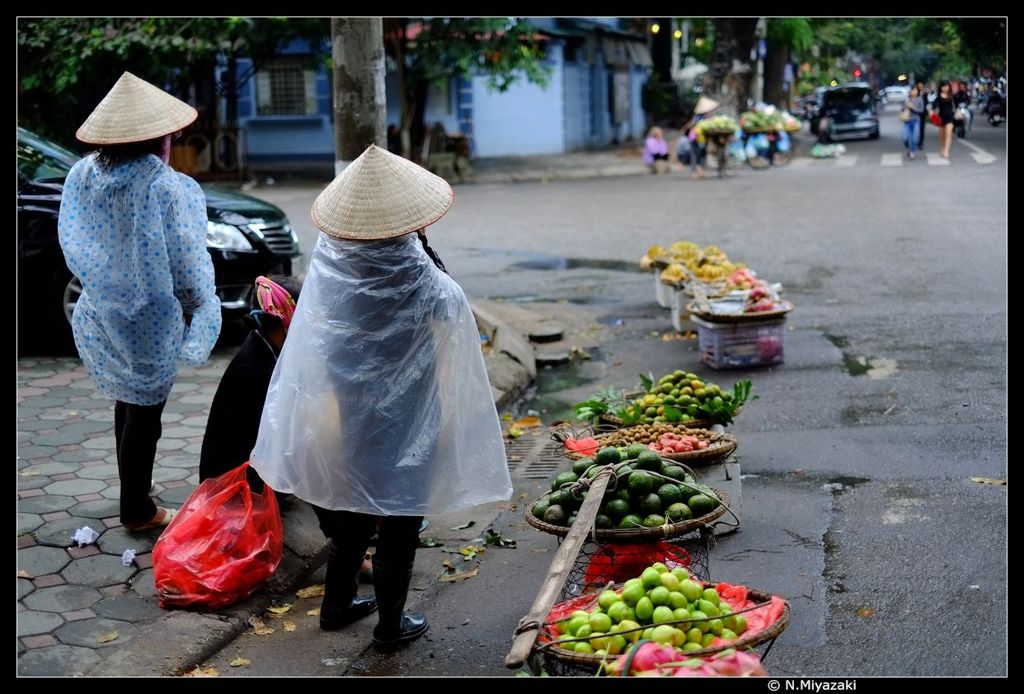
962,122
996,110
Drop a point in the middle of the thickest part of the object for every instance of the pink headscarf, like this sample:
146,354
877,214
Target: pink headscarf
275,300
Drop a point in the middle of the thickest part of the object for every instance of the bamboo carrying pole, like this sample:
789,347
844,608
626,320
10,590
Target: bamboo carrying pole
530,625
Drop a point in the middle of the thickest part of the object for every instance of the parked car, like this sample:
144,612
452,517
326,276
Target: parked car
896,94
246,238
850,111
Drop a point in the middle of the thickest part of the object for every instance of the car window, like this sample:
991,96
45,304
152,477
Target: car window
848,97
42,160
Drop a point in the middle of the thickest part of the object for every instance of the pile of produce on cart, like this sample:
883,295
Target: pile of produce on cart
717,125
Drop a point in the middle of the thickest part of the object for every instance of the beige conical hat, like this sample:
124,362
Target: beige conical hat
705,105
379,196
133,111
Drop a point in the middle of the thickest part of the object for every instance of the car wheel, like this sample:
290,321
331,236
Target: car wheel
64,292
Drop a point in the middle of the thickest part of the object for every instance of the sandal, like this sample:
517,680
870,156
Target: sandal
162,519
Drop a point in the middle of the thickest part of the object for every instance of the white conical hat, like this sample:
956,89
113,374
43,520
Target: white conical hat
133,111
705,105
380,195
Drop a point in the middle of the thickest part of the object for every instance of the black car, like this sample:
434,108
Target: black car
850,111
246,238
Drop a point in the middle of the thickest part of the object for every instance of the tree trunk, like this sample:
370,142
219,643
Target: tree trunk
419,121
729,74
231,94
774,69
360,107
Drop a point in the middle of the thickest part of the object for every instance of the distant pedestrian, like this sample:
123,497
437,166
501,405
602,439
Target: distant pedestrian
915,107
656,151
923,93
946,112
134,232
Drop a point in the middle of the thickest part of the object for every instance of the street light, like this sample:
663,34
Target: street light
655,28
678,34
901,78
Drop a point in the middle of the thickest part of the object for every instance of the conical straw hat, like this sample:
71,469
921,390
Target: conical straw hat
133,111
379,196
705,105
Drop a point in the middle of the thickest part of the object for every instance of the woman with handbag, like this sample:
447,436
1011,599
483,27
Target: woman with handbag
943,115
911,117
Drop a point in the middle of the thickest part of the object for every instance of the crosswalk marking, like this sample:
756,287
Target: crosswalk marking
935,160
847,160
892,159
979,155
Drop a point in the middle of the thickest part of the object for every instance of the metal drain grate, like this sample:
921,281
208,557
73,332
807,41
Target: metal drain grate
534,455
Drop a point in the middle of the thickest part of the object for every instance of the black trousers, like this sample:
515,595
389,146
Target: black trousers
397,541
920,137
136,432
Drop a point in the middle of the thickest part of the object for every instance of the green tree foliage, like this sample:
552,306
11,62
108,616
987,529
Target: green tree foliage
428,50
65,65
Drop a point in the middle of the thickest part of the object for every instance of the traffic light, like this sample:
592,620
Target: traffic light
856,73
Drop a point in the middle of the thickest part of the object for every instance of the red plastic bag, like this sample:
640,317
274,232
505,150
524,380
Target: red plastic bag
935,119
617,563
223,543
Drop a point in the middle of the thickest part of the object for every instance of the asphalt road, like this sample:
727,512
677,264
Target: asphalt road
857,500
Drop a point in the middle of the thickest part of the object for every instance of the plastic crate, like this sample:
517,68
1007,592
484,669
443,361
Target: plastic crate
741,345
680,316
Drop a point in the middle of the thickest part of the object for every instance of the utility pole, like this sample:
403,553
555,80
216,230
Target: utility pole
760,31
360,108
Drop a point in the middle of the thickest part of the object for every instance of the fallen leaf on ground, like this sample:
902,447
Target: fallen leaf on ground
470,524
513,432
259,628
240,662
987,480
107,638
523,496
315,612
865,612
528,422
451,578
27,473
429,542
448,565
506,417
311,591
24,574
494,538
288,626
203,672
279,609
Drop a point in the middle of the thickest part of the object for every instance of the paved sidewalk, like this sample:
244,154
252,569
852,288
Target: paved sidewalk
72,600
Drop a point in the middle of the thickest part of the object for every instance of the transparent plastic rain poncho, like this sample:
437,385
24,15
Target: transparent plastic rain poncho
135,235
380,402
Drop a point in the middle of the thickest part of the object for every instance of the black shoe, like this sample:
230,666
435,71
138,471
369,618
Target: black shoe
413,626
361,606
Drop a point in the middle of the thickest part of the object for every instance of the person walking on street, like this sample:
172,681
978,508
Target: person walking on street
945,110
915,108
379,407
923,93
134,233
698,141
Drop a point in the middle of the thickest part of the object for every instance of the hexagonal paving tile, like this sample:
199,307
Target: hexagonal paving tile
50,469
99,472
94,404
58,660
176,496
144,585
169,474
61,533
170,417
112,492
107,443
62,598
100,508
128,607
32,481
47,503
75,487
86,428
97,571
167,444
31,622
34,452
27,522
80,455
61,438
87,632
184,432
32,424
24,587
179,460
117,540
38,561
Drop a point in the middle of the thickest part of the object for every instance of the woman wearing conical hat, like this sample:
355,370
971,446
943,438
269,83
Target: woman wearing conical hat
379,406
134,232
